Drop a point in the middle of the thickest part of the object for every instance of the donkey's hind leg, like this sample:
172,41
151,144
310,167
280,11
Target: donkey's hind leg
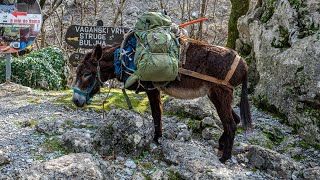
156,109
222,99
222,138
235,117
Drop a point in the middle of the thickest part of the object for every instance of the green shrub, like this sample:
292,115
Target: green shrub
43,69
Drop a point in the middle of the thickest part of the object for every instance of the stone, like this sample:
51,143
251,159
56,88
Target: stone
78,140
128,171
157,175
271,161
209,121
198,108
295,151
312,173
138,176
120,158
112,106
130,164
72,166
26,123
49,127
211,133
184,135
126,132
195,161
3,158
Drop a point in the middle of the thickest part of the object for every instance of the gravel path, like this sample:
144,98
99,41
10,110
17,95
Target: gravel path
22,145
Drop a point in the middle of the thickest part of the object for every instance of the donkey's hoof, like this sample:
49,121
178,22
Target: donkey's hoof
223,160
157,140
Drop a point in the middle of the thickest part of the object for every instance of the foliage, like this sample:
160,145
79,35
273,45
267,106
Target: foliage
44,69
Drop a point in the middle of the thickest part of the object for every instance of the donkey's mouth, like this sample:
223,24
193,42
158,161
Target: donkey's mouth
78,103
79,100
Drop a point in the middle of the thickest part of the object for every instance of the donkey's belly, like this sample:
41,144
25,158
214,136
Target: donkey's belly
183,93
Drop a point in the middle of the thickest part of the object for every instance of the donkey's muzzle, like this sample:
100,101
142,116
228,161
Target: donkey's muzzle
78,102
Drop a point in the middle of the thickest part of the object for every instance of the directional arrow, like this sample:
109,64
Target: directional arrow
73,39
17,13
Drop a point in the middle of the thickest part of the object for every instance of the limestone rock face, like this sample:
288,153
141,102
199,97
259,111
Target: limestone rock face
281,39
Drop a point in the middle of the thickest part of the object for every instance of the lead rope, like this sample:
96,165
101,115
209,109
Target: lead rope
105,100
101,83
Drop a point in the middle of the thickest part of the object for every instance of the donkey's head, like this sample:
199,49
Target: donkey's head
95,68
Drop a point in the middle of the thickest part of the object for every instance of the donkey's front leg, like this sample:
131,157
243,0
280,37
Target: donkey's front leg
156,108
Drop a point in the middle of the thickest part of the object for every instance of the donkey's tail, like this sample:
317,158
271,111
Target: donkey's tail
244,105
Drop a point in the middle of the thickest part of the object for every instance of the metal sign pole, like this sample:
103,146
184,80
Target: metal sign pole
8,68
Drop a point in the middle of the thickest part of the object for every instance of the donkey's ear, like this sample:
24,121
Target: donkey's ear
97,52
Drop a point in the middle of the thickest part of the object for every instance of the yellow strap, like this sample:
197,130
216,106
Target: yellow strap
232,69
213,79
193,40
203,77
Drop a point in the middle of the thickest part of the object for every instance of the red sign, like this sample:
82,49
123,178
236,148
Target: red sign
20,23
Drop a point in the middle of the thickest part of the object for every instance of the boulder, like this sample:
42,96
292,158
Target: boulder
212,133
197,108
193,160
3,158
312,173
281,41
125,132
72,166
78,140
50,127
271,162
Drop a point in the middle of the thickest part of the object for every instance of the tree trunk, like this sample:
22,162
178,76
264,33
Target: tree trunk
239,8
204,4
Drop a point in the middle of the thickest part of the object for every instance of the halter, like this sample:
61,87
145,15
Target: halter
87,93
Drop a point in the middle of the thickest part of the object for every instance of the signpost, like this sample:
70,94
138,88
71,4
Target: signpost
75,59
89,36
20,23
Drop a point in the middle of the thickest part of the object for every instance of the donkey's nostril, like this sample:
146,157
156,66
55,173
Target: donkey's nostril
77,102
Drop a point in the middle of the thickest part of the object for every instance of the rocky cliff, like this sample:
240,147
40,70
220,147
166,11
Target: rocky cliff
281,40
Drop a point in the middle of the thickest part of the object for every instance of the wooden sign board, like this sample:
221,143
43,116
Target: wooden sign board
89,36
75,58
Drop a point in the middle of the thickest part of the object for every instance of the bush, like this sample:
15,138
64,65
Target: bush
43,69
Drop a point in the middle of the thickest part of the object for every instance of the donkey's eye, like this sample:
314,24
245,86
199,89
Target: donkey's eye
86,75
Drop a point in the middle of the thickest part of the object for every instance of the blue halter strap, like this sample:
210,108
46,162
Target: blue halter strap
86,93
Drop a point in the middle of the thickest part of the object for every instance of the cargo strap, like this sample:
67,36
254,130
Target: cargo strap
224,82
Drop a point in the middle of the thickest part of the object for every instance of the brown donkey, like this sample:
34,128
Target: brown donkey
209,60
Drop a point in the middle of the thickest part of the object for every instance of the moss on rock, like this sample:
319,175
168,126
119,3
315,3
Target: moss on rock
269,10
283,40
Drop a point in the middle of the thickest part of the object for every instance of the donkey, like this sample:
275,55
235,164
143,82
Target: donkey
214,61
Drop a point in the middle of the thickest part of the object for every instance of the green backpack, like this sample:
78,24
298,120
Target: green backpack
157,54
